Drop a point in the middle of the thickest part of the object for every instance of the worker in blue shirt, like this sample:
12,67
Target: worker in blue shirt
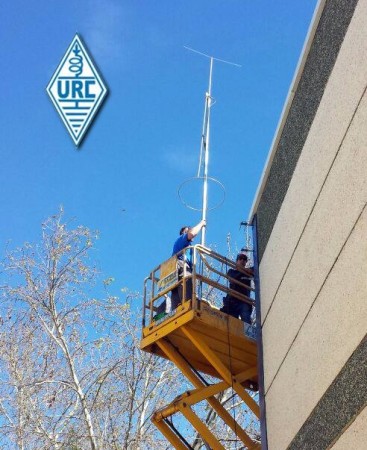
184,261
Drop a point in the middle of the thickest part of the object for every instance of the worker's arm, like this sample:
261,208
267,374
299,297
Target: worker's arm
239,271
249,271
195,230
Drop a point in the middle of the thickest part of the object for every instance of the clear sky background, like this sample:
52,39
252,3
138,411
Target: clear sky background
145,141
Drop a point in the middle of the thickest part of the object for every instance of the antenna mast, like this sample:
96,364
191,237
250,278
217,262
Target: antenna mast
205,138
204,150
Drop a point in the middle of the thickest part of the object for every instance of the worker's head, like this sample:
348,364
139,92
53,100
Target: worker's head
241,258
184,230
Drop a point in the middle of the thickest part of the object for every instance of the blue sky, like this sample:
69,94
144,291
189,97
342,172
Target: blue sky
145,141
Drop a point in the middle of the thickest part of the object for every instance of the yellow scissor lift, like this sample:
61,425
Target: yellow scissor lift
200,339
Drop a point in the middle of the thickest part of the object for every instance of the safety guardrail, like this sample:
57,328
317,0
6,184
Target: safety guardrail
176,281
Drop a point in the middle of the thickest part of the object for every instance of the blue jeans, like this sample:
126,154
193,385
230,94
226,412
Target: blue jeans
237,309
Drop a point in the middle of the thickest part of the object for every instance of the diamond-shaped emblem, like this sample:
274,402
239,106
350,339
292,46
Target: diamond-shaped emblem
77,90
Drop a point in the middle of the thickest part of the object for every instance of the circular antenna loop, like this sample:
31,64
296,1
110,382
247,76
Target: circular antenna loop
216,183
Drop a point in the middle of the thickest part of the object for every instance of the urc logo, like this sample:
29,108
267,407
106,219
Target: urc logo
77,90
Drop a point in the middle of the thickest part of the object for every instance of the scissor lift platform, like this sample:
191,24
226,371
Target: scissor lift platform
222,334
200,339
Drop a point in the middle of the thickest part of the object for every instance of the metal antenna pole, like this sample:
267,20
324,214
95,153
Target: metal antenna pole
205,147
205,135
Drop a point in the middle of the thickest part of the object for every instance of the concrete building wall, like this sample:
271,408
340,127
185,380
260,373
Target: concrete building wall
313,268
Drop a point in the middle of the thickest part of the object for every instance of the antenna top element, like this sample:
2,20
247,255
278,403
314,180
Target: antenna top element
212,57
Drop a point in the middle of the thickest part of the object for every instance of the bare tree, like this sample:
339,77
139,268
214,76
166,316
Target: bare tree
72,375
44,297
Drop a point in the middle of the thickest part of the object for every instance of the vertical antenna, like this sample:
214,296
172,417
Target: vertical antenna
205,139
205,146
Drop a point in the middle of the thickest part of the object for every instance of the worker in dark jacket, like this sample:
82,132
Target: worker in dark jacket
232,305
